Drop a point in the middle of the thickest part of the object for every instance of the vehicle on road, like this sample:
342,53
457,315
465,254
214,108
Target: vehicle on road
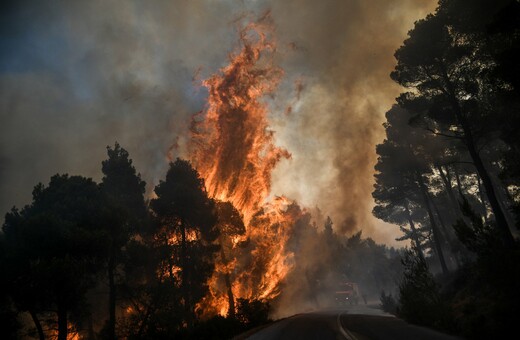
347,293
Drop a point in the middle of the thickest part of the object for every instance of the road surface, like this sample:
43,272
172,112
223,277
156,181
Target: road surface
351,323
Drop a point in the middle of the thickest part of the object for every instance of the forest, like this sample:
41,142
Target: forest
448,170
98,261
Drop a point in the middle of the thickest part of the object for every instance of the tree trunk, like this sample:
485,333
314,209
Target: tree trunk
503,195
500,218
437,236
459,185
443,229
37,324
481,196
111,295
415,236
449,189
62,323
185,275
227,279
451,239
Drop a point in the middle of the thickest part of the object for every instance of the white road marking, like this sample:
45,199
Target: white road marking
343,331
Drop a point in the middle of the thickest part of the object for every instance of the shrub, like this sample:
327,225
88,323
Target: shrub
388,303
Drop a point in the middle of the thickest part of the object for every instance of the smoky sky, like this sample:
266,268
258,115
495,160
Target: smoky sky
76,76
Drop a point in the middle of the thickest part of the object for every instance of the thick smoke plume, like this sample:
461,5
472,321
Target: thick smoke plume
77,76
343,55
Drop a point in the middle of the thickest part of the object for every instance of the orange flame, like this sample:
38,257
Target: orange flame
72,333
269,229
232,146
233,149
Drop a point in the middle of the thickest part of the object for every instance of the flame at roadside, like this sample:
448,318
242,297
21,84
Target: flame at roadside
270,261
233,149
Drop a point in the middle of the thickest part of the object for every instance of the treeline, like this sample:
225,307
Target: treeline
448,171
99,261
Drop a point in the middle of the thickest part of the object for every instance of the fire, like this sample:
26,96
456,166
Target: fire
72,333
270,229
175,238
232,147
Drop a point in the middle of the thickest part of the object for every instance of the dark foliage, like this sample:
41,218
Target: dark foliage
460,68
184,212
388,303
124,191
487,304
54,248
252,313
420,301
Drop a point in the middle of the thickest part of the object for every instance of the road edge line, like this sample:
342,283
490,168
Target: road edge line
344,331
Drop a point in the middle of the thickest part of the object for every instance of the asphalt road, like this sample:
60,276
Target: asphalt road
351,323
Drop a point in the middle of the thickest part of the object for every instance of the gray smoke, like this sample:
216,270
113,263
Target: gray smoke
78,76
344,54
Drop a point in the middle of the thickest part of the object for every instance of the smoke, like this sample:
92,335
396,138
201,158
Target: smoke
344,54
78,76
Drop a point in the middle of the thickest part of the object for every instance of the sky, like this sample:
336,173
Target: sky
76,76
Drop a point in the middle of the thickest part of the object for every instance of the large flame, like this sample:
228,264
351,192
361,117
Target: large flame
270,262
233,149
232,146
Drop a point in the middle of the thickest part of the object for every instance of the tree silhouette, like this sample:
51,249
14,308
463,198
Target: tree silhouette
230,224
419,294
461,71
54,247
449,74
404,162
185,213
124,190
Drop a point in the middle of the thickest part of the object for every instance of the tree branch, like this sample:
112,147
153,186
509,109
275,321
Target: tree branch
443,134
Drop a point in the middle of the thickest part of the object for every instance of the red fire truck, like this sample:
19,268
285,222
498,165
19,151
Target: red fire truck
347,293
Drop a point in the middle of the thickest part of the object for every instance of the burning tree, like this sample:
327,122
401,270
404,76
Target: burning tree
231,227
186,218
232,146
233,149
